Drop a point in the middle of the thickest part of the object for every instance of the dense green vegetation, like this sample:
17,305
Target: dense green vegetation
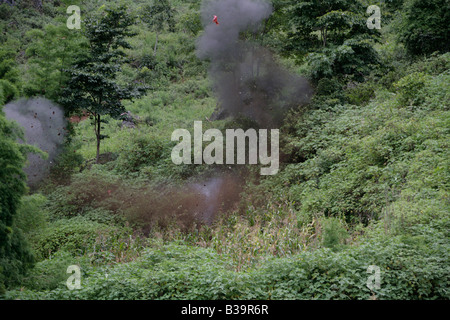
364,176
15,254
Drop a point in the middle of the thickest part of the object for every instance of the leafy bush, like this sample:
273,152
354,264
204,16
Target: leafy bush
414,266
76,236
409,88
16,258
8,91
360,94
15,255
191,22
67,163
142,150
52,273
31,216
356,160
333,233
353,60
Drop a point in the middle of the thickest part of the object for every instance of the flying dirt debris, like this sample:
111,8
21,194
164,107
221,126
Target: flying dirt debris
201,200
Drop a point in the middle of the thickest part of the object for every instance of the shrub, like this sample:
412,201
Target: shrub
15,255
31,216
67,163
191,22
8,91
413,266
16,258
76,236
354,59
354,160
360,94
142,150
333,233
52,273
409,88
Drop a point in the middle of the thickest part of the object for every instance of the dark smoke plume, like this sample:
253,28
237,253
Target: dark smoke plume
44,126
246,77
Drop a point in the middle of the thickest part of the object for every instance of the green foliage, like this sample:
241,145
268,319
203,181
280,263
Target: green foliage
409,88
332,35
9,75
8,92
331,18
158,14
424,27
269,230
31,216
320,65
142,150
184,272
51,50
8,67
190,22
352,60
333,234
67,163
52,273
76,236
355,160
15,256
106,35
17,20
364,178
88,190
360,94
329,91
12,177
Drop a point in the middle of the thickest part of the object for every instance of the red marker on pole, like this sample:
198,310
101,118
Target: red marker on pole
215,20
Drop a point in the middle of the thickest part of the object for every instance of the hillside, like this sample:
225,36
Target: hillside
363,178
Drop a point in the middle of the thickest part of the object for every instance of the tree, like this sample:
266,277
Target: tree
15,255
53,49
331,34
424,27
157,15
93,86
9,76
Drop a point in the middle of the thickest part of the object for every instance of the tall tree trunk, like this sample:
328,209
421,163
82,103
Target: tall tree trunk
324,36
97,134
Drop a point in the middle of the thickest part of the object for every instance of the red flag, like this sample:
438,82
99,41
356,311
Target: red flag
215,20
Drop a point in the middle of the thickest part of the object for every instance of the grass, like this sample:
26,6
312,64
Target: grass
167,109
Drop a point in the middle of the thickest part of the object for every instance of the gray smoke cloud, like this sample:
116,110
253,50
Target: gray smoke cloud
247,79
45,126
